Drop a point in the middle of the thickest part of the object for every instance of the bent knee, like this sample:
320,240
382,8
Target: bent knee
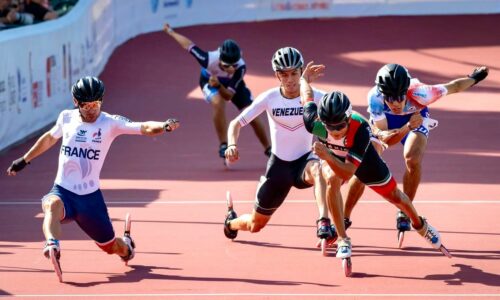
315,168
395,197
413,162
331,178
52,203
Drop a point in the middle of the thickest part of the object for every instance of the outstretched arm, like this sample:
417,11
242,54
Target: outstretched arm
151,128
461,84
182,40
44,143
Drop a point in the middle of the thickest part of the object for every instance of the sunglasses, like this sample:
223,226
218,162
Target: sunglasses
392,99
90,105
227,66
336,127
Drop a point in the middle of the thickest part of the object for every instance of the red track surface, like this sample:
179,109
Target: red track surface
175,185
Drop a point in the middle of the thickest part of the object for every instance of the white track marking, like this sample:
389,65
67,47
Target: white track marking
257,295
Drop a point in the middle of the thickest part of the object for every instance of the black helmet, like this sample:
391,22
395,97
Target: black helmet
334,108
229,52
88,89
287,58
393,81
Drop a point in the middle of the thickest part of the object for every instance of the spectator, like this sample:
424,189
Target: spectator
12,15
41,10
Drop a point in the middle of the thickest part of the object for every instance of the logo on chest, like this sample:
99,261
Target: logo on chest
336,147
97,136
81,136
288,111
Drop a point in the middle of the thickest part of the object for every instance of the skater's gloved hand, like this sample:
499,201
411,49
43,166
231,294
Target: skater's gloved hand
171,125
232,153
17,166
479,74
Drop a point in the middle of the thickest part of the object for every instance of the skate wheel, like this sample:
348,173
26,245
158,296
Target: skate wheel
347,266
56,264
445,251
128,223
324,246
401,237
229,200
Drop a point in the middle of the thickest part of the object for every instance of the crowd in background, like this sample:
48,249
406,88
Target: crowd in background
15,13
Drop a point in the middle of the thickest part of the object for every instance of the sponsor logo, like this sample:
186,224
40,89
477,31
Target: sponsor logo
335,147
289,111
96,136
80,152
80,136
170,3
294,5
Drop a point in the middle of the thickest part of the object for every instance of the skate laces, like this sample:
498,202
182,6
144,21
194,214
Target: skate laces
344,248
346,242
430,234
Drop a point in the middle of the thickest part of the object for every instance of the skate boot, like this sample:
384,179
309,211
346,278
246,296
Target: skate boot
222,154
402,224
344,248
344,252
231,215
228,232
324,230
127,239
52,251
432,236
326,235
333,239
